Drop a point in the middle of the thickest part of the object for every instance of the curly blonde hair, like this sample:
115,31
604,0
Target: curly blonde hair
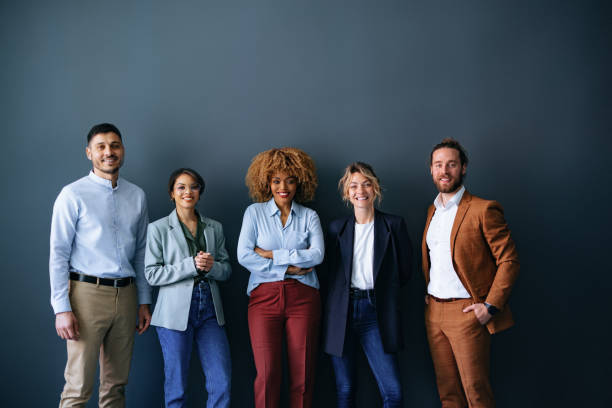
294,162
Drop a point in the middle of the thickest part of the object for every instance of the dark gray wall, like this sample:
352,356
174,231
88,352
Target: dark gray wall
524,85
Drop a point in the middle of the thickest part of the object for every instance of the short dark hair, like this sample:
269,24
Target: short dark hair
451,144
185,170
103,128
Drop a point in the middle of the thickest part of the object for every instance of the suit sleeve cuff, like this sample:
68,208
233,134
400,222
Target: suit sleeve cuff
492,302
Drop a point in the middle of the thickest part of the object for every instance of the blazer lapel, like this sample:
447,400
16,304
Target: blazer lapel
346,237
381,240
462,208
177,234
209,237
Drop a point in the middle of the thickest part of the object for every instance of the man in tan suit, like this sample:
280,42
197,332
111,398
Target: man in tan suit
470,264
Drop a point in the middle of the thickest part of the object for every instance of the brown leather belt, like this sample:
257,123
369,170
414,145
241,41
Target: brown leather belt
445,300
115,283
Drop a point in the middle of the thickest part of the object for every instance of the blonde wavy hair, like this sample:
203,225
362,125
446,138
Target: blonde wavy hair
290,160
368,172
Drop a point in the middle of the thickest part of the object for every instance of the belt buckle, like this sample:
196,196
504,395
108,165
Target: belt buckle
115,283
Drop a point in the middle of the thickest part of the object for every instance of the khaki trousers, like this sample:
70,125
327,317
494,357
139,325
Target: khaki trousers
460,350
107,321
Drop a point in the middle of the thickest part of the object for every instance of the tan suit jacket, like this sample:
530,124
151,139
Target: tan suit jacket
483,253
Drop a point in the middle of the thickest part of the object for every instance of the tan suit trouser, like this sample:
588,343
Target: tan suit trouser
460,349
107,320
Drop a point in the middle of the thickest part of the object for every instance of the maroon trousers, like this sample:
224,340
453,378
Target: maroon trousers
291,308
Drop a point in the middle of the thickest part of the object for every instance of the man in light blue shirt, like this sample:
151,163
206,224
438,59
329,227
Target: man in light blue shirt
96,268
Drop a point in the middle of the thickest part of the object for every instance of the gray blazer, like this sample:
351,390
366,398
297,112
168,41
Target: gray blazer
169,266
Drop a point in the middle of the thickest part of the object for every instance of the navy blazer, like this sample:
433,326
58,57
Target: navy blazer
392,269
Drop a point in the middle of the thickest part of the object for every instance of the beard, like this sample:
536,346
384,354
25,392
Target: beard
112,170
449,188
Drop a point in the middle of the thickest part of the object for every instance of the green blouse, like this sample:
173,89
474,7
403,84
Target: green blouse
195,244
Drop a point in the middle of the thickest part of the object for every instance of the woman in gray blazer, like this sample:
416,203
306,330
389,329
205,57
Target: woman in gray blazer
186,257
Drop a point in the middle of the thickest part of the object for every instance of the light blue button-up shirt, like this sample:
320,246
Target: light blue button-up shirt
298,243
98,230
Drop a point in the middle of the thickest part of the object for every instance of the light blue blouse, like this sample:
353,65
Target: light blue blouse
298,243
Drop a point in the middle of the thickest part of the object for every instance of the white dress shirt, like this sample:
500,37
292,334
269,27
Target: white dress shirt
443,280
363,257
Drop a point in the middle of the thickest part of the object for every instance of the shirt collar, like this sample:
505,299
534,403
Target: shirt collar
200,218
453,201
199,229
272,208
102,181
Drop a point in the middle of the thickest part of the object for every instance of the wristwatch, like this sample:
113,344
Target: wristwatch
491,309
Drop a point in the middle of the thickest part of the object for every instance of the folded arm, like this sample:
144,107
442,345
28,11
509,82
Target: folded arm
251,260
304,258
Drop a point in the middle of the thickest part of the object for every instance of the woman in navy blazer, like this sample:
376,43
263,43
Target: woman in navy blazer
369,258
185,257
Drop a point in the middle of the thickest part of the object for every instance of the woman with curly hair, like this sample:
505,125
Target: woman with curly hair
370,258
280,244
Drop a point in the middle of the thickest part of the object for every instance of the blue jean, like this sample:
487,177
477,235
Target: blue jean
363,328
213,350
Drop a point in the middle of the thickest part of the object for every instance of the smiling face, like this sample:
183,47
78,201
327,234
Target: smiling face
361,191
105,150
186,192
283,188
446,170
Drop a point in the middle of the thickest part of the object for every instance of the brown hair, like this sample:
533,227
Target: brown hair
368,172
290,160
185,170
452,144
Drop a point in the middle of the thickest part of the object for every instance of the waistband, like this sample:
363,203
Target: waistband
355,293
445,300
115,283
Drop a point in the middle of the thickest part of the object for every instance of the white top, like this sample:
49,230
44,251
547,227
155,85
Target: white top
443,280
363,257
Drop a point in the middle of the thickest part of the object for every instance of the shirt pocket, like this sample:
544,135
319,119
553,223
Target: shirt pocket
297,240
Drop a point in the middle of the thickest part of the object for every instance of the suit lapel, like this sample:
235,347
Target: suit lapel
346,237
462,208
209,237
177,233
381,240
424,250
